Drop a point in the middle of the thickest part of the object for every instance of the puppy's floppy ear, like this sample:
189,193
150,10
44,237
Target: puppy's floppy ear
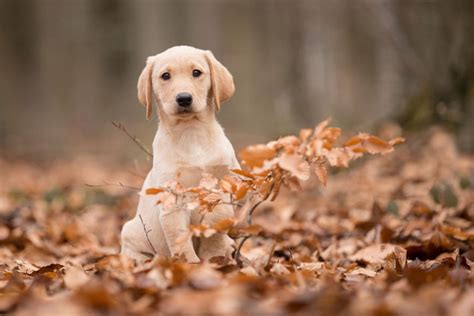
221,80
145,88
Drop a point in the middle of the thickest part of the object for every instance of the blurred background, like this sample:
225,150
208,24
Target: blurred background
69,68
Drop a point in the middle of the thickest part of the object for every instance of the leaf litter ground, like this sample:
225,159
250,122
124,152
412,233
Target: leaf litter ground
393,235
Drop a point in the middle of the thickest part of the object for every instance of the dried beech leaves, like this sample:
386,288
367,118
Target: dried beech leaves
286,162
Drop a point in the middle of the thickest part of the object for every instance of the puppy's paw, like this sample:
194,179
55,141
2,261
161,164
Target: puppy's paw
139,257
189,257
219,245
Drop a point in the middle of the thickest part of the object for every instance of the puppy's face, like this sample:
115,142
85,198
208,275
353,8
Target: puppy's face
181,81
185,82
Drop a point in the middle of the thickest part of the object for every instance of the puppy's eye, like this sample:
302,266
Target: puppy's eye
166,76
196,73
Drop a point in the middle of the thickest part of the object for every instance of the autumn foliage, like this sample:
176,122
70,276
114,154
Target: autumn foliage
391,236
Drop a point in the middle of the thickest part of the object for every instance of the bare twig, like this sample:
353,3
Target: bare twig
249,222
237,252
229,203
249,217
146,234
121,127
120,184
272,250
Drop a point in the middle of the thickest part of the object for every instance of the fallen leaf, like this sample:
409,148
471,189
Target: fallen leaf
378,253
74,277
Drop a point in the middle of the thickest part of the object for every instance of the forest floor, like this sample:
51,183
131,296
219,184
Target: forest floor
393,235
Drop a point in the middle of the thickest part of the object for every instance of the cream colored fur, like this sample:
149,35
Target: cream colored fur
186,144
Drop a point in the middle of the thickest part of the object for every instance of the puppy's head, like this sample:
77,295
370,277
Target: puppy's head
185,82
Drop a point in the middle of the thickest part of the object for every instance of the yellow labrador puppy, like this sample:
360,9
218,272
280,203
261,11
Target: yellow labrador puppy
188,86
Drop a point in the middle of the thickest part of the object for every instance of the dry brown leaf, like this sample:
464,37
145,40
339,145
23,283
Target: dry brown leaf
205,278
242,191
153,191
212,198
338,157
375,145
75,277
351,142
254,156
296,165
289,141
251,230
330,135
305,133
378,253
279,269
321,127
361,271
243,173
321,173
226,186
457,233
201,230
397,141
224,224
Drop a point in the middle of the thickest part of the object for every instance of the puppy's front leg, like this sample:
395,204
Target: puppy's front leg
219,244
174,222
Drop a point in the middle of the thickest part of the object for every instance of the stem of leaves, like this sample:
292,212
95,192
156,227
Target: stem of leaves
238,254
140,145
146,234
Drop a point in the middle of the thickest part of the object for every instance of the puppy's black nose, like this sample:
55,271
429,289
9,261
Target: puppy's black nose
184,99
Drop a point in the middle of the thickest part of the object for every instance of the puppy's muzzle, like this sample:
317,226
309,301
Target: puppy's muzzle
184,100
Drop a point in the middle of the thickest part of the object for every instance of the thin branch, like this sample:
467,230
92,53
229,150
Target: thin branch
249,222
229,203
120,184
146,234
272,250
121,127
249,217
237,252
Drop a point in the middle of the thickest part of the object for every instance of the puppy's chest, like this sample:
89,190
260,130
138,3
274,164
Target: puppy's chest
187,167
195,155
187,175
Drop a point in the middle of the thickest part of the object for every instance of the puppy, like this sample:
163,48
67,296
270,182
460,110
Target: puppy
188,86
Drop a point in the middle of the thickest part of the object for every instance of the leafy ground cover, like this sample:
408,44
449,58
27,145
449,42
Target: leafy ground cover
393,235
